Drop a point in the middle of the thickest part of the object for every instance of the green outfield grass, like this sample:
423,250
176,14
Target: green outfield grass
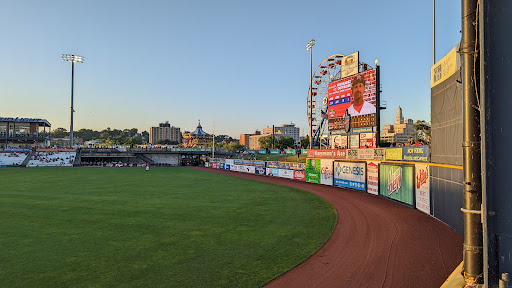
170,227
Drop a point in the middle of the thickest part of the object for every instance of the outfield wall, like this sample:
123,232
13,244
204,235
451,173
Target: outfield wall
401,174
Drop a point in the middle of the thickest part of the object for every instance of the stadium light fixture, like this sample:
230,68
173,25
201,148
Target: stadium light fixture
309,46
73,59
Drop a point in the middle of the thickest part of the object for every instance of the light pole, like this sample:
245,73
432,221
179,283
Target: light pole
309,46
72,58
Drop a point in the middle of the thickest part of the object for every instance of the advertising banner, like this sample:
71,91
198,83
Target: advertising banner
274,152
290,152
313,170
238,162
220,166
415,153
273,164
260,170
304,152
252,151
299,175
250,169
327,154
268,171
206,164
230,161
397,182
352,154
350,175
258,163
275,172
445,68
326,172
394,154
338,141
227,167
354,141
350,64
422,187
247,162
365,154
285,173
235,168
372,180
262,151
215,165
367,140
379,154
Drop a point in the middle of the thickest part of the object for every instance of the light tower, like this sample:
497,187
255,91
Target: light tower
72,58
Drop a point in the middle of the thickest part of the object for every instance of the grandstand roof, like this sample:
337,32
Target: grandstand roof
39,121
199,131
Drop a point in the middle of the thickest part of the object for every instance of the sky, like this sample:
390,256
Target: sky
242,65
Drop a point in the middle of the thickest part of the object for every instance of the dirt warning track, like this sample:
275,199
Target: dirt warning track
376,243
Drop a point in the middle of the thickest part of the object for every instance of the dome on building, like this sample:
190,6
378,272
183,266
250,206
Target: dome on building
199,131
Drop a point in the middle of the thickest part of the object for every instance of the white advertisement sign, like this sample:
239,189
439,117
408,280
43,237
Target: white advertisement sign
269,171
249,169
235,168
350,64
338,141
422,186
285,173
354,141
230,161
350,175
372,181
326,172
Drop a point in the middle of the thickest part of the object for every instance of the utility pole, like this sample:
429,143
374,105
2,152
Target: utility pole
72,59
472,206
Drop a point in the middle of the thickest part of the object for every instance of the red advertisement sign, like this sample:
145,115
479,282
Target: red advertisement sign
215,165
299,175
327,154
372,182
422,188
367,140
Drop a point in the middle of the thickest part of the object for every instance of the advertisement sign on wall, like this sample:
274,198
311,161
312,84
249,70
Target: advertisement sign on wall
350,175
338,141
327,154
350,64
299,175
326,172
394,154
285,173
422,187
290,152
367,140
397,182
275,172
260,170
227,166
415,153
262,151
268,171
354,141
250,169
313,170
275,152
372,173
352,154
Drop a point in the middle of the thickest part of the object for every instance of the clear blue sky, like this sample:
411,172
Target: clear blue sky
242,64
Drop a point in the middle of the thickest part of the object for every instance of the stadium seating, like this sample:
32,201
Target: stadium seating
12,158
52,159
169,159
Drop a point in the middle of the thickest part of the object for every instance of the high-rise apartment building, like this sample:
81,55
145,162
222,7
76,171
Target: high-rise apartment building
400,132
285,130
164,131
244,138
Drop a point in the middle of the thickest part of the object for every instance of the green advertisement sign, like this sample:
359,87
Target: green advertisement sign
304,152
313,170
252,152
274,152
262,151
289,151
397,182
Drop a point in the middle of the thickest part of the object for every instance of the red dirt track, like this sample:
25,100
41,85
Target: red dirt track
376,243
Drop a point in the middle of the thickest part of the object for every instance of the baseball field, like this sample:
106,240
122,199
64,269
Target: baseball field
124,227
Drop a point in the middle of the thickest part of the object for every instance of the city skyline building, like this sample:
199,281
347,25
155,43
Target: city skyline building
164,131
400,132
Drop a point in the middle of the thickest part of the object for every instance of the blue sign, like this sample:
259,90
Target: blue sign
227,167
260,170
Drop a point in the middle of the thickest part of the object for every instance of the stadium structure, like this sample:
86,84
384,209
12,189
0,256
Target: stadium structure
24,132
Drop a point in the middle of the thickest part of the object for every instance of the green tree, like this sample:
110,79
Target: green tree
422,131
234,147
60,133
304,143
265,142
164,142
284,143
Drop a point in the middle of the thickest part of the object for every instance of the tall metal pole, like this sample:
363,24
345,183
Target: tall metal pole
472,206
213,149
433,32
309,46
71,125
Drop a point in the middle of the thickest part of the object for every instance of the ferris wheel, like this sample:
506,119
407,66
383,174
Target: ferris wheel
328,71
